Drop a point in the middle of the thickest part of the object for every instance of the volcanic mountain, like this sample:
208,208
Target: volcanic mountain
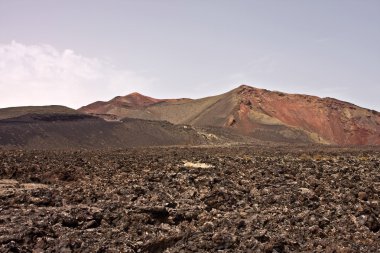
258,113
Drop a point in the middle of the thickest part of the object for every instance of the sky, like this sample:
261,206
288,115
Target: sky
75,52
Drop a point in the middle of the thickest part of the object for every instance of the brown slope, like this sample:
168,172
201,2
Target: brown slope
263,114
69,129
75,131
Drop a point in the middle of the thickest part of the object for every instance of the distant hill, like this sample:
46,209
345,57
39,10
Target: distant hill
258,113
12,112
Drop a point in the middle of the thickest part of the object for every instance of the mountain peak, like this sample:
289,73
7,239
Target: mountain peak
244,86
248,88
136,99
137,94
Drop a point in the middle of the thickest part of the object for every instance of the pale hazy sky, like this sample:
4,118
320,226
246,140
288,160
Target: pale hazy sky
74,52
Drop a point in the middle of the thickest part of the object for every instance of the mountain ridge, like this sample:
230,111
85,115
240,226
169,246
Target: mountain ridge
251,111
244,115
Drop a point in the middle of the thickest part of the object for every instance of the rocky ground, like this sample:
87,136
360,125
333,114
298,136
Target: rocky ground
242,199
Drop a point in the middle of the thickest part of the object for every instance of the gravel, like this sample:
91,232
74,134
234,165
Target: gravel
250,199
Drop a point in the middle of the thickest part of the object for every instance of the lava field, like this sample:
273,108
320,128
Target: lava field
191,199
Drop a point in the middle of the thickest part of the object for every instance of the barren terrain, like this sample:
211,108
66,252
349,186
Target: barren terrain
259,113
181,199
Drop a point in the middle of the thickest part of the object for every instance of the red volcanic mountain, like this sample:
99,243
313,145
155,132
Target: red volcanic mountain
259,113
131,106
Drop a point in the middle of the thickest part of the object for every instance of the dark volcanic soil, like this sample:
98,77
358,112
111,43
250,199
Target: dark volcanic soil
151,200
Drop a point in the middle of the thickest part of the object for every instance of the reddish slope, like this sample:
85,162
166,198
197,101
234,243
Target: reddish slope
132,100
126,106
260,113
335,121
